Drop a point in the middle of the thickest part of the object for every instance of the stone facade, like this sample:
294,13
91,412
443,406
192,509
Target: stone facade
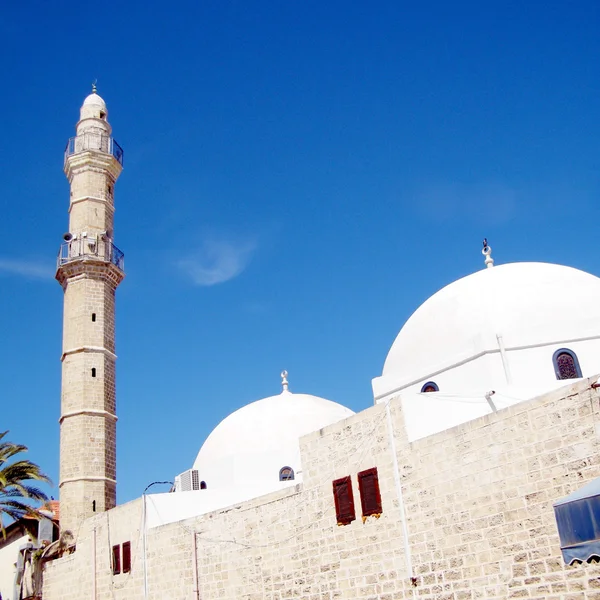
477,499
89,272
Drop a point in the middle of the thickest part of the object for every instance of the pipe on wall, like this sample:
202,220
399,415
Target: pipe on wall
94,580
195,566
398,485
504,359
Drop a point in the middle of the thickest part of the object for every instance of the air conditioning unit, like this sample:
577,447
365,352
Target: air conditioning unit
188,481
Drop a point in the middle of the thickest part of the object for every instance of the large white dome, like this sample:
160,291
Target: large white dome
250,446
527,304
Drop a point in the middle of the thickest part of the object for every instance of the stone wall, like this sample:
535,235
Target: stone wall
478,503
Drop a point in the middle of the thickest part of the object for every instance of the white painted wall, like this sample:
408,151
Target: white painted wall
169,508
8,560
462,389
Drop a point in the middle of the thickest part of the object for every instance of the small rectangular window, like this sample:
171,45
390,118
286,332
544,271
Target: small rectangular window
93,371
116,559
126,557
370,497
344,500
93,317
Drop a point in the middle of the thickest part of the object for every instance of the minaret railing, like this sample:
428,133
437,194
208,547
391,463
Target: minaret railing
91,248
97,142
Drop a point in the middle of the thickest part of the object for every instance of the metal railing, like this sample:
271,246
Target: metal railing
91,247
94,141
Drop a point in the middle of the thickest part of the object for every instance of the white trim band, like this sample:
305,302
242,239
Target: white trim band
89,412
89,478
98,349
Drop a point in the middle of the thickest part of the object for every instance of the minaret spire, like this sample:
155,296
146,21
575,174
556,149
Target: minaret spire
487,252
90,267
284,381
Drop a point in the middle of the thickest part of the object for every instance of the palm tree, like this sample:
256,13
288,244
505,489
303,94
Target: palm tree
16,492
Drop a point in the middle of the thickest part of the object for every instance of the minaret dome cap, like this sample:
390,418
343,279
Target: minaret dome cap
93,107
94,100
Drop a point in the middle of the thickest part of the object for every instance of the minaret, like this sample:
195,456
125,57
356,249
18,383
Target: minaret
90,267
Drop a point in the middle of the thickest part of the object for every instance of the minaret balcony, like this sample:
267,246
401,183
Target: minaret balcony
91,248
95,142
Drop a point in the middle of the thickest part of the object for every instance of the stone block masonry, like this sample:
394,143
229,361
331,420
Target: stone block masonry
478,504
89,280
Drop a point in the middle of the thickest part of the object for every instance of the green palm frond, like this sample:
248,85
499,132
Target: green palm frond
16,476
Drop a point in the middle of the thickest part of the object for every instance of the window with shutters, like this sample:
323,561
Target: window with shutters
370,497
126,557
116,559
566,365
344,500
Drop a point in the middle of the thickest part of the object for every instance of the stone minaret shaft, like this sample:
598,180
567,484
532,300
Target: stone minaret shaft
90,268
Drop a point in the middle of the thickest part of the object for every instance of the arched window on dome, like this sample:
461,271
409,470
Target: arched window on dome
430,386
566,365
286,474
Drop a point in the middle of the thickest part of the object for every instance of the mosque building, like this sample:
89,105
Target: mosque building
472,475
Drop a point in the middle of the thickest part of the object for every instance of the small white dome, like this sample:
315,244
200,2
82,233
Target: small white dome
94,100
526,303
250,446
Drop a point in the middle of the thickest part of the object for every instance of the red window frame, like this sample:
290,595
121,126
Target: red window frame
126,557
370,496
344,500
116,559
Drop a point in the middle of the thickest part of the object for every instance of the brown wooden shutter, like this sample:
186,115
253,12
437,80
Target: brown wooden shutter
370,497
126,557
344,500
116,559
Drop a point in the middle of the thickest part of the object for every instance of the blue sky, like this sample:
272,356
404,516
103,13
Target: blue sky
299,177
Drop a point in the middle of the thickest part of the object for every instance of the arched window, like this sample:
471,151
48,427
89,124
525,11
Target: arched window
286,474
203,485
566,365
430,386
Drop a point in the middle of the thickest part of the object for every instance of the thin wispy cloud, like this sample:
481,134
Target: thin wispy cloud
216,261
28,269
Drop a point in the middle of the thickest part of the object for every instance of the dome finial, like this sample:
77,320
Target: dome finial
487,252
94,88
284,381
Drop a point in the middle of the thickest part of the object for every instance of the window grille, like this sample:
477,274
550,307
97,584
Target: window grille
286,474
566,365
430,386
